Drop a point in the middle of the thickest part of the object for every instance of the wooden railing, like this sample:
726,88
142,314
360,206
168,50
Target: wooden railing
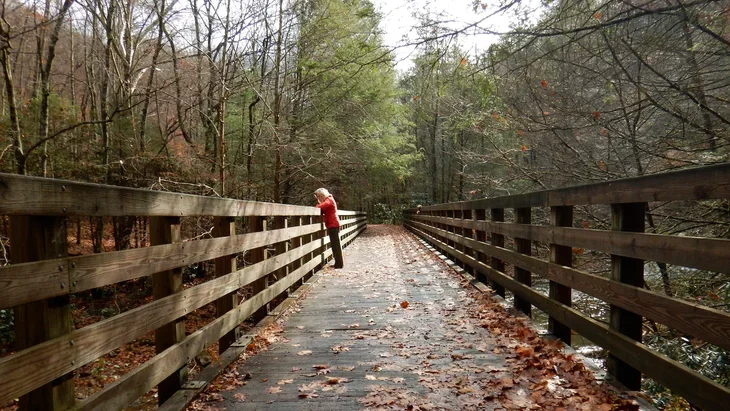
462,231
41,279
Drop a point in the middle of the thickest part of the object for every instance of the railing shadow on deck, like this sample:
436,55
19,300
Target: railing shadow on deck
463,231
39,282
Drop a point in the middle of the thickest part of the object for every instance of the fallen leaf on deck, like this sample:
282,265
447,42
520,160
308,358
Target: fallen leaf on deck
507,383
311,386
339,348
274,390
308,395
525,351
305,352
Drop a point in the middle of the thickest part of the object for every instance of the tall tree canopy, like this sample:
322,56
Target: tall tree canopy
257,99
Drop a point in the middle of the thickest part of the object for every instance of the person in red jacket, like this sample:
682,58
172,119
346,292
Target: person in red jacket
327,204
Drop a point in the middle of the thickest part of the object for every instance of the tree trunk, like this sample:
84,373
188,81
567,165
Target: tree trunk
142,144
46,82
277,107
251,126
12,107
103,95
176,73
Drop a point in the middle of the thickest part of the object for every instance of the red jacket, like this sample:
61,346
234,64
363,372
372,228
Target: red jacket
329,211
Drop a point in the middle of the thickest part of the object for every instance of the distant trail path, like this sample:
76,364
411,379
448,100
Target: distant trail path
352,345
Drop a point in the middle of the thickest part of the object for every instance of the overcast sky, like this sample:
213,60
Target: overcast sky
399,22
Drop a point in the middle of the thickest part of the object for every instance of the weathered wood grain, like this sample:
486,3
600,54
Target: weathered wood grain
182,398
166,230
296,242
225,227
700,183
56,278
37,238
480,215
255,256
306,240
134,384
697,252
682,380
561,216
497,263
278,248
702,322
27,282
44,196
40,364
20,283
524,247
627,218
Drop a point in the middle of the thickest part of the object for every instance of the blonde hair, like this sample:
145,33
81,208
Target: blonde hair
322,192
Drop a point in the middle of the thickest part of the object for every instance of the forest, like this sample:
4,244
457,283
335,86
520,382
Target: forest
268,100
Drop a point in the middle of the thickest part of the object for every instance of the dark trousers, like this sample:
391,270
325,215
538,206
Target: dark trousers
334,234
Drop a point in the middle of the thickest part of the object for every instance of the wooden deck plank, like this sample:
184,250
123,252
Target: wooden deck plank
415,353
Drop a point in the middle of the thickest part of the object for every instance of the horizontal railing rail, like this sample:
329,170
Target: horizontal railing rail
474,234
42,279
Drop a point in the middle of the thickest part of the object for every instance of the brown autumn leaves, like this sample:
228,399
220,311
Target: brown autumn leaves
468,354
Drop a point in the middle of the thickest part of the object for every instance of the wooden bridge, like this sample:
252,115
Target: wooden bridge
273,250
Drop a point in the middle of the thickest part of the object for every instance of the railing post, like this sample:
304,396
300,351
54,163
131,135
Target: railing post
498,241
280,222
33,239
561,216
352,221
481,236
256,224
166,230
626,217
296,242
468,233
306,240
523,246
441,225
343,224
458,214
322,233
450,227
225,227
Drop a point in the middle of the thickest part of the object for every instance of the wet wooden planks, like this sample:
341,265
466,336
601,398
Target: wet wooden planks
352,335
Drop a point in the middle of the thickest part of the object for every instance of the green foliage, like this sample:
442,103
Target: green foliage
386,214
349,130
708,360
108,312
453,108
7,325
